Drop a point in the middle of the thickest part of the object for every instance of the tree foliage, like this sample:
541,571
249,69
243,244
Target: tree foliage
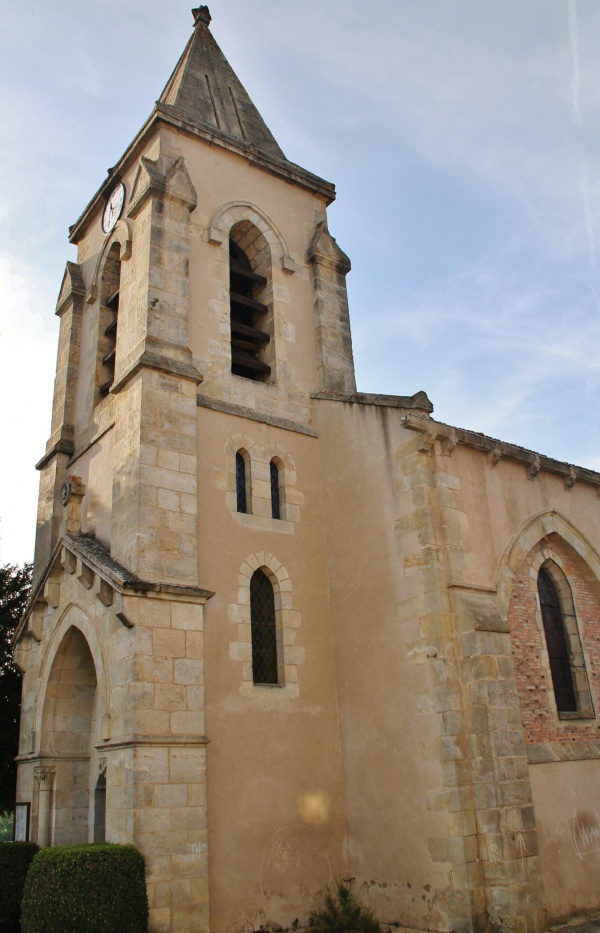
15,589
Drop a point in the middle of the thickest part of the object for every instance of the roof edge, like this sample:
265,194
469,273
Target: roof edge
497,450
419,401
99,560
171,116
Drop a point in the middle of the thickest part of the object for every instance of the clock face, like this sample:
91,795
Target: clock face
113,208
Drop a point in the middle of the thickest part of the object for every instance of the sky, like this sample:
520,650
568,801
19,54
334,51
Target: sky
463,137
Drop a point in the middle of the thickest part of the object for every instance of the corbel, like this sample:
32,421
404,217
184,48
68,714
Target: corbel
119,611
35,624
68,561
52,592
287,264
495,456
105,727
449,442
215,236
570,478
103,591
534,467
85,574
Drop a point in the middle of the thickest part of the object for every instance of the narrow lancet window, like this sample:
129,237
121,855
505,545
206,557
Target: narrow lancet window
248,317
264,632
241,482
557,644
275,501
100,809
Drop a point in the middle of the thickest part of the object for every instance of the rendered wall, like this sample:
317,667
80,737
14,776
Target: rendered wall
426,540
399,824
566,796
276,832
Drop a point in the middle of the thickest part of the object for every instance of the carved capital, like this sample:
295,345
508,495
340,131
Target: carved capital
102,768
45,777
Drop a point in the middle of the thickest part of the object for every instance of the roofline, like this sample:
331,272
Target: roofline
172,116
111,572
451,436
497,450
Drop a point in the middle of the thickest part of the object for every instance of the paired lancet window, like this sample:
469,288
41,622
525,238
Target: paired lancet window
248,315
243,484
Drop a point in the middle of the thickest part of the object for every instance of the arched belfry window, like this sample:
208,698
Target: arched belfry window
109,310
249,316
557,643
265,669
242,481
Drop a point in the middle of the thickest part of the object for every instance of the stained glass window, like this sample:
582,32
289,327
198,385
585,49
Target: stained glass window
264,635
240,482
556,643
275,509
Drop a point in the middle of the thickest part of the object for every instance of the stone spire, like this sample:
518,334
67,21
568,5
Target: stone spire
205,89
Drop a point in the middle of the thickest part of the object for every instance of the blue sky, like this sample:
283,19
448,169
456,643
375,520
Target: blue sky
463,137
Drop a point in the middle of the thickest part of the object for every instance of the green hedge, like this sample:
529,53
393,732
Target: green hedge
86,889
15,859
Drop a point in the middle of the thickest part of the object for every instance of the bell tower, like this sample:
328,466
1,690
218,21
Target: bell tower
179,558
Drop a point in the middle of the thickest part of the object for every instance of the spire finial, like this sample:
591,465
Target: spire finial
202,15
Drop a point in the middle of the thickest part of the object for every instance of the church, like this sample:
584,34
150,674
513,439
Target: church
283,631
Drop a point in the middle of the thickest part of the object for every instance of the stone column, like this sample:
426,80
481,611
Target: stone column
45,780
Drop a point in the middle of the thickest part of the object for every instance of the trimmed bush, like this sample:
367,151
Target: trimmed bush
86,889
342,912
15,859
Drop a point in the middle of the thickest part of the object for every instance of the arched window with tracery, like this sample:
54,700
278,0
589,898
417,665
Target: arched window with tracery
557,643
250,316
265,662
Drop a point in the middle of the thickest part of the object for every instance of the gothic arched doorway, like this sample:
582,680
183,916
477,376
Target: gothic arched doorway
69,736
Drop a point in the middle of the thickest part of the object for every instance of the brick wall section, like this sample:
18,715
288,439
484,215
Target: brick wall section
534,683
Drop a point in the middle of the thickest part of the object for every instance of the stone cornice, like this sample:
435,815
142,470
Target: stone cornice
418,401
152,360
132,741
498,450
62,446
541,753
241,411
